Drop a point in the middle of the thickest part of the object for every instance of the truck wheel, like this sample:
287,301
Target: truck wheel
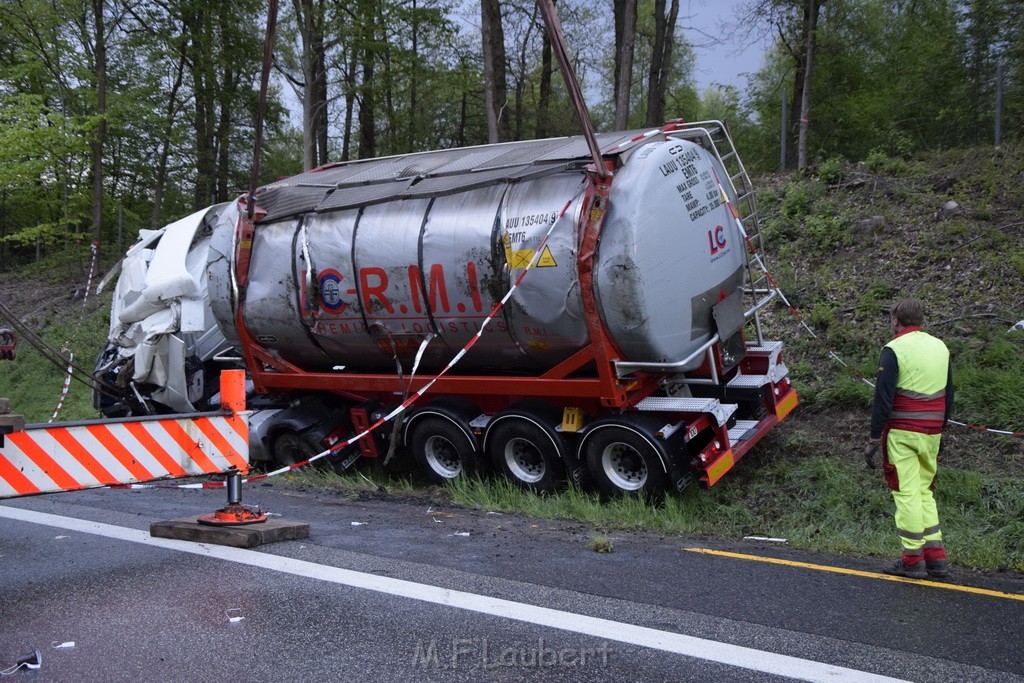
524,453
290,448
442,449
623,463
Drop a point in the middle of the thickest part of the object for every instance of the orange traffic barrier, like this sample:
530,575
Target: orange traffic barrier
80,455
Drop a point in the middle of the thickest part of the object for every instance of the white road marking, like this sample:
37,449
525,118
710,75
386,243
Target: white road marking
667,641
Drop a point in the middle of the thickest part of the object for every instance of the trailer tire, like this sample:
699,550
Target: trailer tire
526,455
442,449
624,463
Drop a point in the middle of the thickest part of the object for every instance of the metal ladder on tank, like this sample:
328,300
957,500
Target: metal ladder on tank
715,138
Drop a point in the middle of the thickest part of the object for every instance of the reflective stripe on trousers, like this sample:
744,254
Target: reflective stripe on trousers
914,457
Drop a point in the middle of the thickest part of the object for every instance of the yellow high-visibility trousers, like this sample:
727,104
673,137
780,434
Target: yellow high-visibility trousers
912,459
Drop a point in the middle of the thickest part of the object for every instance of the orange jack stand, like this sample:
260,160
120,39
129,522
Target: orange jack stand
234,514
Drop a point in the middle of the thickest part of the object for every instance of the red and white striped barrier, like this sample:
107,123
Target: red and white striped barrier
81,455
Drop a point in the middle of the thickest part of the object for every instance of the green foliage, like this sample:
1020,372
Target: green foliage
846,392
600,544
879,161
877,293
799,199
988,372
828,232
34,384
1016,260
899,77
830,171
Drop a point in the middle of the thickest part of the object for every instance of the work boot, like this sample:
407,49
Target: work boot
911,570
935,562
937,569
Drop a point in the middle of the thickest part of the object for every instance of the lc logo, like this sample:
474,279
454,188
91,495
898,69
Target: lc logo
716,241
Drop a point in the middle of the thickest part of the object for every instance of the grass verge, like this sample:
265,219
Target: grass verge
819,503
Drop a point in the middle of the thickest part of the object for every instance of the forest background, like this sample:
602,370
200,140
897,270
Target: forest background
141,112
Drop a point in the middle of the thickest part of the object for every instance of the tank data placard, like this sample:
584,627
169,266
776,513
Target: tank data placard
521,232
701,192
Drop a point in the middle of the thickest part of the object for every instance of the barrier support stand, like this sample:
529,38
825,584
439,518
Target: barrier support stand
234,514
234,525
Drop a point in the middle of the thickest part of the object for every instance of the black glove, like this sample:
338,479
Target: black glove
871,453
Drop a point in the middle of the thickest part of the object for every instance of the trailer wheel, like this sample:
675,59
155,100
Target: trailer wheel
525,453
441,449
623,463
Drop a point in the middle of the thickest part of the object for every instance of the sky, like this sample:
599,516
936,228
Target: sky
733,55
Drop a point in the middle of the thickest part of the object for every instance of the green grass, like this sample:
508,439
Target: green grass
33,384
826,502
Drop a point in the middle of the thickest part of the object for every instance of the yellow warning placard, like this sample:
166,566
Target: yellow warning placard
521,258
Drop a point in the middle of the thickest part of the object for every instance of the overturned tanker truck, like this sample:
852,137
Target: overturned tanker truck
627,353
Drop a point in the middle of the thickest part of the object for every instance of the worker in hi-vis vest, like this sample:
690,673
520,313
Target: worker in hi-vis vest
913,400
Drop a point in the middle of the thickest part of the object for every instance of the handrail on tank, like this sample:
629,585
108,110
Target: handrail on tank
625,367
772,294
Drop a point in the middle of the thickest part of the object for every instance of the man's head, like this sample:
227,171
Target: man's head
907,313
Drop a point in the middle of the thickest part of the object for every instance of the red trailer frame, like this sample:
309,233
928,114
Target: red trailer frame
567,385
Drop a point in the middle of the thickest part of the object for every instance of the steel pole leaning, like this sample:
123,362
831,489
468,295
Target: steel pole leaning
554,30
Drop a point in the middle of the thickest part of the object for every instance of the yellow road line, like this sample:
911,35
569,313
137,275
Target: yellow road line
857,572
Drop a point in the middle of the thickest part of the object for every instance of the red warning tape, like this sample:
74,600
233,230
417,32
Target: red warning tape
95,248
67,383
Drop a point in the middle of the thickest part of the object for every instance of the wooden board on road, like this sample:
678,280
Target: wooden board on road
247,536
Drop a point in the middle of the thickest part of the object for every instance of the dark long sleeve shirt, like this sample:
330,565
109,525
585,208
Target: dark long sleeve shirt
885,389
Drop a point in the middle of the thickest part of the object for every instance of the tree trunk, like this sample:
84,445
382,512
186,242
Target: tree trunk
811,10
100,52
350,103
544,93
495,90
661,60
369,23
227,101
165,145
367,121
310,17
625,41
413,134
203,84
521,76
304,19
392,145
320,110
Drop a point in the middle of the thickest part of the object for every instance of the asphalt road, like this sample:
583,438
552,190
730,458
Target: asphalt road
387,590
